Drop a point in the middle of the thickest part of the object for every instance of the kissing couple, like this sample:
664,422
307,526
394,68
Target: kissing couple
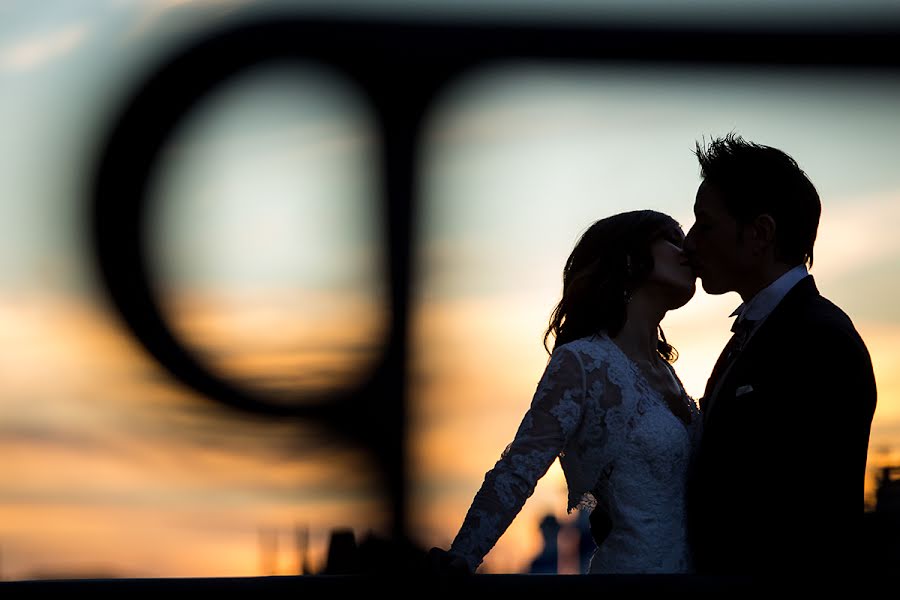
764,475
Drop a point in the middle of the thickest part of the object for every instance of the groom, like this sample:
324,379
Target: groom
777,482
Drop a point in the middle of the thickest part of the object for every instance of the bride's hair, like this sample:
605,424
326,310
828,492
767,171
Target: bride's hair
611,259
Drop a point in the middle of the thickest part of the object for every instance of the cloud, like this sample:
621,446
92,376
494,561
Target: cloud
37,50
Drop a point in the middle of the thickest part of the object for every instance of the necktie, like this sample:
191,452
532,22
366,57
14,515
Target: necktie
741,329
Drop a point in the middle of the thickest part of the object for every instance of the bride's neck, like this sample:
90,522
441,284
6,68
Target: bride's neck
638,336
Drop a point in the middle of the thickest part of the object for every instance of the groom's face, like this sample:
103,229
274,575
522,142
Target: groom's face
714,245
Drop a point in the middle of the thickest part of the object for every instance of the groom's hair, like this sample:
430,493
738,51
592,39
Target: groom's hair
754,180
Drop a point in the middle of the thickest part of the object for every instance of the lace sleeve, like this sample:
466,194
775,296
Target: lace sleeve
555,414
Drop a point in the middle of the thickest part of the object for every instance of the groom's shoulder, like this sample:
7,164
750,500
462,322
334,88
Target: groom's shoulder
824,324
809,308
809,319
825,315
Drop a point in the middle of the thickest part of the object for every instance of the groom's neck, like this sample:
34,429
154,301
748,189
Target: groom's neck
762,278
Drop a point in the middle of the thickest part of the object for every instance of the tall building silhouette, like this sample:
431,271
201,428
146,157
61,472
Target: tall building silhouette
547,560
882,525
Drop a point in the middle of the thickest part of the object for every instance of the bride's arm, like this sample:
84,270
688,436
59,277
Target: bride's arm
553,417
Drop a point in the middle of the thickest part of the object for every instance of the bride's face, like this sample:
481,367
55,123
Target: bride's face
672,277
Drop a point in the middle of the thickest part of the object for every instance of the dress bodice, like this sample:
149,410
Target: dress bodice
621,448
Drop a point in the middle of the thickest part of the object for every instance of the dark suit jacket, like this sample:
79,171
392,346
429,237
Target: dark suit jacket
776,486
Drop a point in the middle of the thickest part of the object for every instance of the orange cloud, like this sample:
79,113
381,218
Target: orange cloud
111,467
476,364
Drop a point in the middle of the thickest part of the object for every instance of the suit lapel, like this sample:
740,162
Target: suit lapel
720,387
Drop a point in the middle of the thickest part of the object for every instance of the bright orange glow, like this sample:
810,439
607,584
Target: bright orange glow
112,470
477,363
284,341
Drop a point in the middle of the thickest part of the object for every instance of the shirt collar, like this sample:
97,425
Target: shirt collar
765,301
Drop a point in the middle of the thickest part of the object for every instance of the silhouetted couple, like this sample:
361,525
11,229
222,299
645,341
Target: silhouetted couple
765,477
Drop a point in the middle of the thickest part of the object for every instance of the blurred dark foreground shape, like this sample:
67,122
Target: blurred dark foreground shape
377,565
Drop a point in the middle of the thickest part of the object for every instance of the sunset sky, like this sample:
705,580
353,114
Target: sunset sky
266,241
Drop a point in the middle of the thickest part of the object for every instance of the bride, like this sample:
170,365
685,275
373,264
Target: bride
609,405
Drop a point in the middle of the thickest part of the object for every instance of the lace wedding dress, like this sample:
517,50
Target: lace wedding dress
621,448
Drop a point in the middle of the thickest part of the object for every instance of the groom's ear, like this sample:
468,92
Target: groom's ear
762,233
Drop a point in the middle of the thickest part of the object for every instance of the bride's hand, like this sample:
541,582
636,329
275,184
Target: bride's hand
447,563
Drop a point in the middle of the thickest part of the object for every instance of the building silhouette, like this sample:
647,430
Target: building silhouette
564,542
547,560
882,525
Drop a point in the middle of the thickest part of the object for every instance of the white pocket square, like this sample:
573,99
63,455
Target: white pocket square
743,391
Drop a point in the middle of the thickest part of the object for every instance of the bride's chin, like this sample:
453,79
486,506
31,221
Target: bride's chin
683,297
